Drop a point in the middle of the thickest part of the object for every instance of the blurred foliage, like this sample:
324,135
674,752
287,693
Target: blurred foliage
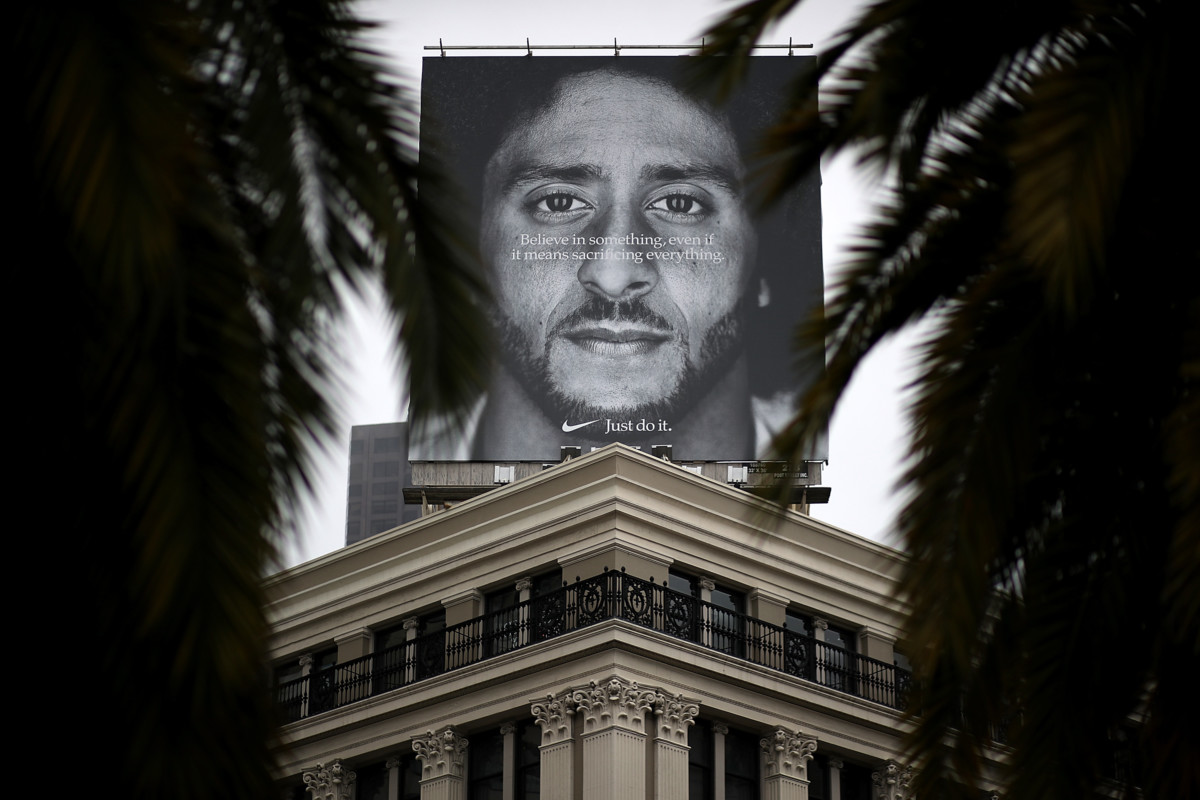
1036,161
197,183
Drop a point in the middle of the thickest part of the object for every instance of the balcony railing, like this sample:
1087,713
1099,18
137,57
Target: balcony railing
612,595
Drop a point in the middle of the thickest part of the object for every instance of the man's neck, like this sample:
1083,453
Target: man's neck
720,425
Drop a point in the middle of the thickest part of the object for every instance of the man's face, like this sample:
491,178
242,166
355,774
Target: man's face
620,248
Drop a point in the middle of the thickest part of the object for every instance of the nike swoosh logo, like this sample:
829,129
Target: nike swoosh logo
567,428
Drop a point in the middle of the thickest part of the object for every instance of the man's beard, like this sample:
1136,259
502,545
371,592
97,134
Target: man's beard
719,351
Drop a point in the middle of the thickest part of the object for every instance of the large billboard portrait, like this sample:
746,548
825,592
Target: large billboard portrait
638,296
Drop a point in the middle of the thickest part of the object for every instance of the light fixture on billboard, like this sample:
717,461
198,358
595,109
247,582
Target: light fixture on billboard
662,451
738,475
567,452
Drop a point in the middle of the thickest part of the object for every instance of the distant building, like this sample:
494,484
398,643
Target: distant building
615,627
379,471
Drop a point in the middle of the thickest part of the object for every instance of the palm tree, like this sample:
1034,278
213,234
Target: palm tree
1035,155
201,181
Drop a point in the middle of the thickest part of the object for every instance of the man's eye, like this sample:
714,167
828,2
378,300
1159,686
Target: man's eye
678,204
559,203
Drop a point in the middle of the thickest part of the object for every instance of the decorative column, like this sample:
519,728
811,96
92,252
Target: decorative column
557,750
331,782
508,734
672,717
614,739
443,765
720,730
412,626
893,782
787,755
392,765
524,590
820,668
462,607
306,665
706,589
353,683
772,609
835,778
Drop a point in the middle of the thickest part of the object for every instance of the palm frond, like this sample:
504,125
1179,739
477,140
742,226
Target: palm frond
1055,474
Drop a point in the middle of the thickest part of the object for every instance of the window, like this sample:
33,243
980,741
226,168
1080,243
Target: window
371,782
397,662
487,772
722,622
485,766
741,765
383,507
831,661
387,444
742,756
700,761
506,623
386,487
385,469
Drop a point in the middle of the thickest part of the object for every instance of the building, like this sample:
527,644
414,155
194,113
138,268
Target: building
614,627
379,472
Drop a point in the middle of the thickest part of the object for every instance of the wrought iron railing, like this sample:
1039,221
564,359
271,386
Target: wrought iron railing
612,595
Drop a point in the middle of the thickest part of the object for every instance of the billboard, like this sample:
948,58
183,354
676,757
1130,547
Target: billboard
638,296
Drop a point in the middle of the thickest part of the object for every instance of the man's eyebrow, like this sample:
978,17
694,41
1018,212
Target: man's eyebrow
724,177
526,172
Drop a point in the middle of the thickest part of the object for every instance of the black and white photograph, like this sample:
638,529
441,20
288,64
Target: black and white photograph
640,294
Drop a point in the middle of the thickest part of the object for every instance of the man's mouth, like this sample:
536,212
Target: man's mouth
616,340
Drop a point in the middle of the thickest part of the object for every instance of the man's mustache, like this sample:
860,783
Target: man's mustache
598,309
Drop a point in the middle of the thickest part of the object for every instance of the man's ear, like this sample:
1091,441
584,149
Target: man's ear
764,293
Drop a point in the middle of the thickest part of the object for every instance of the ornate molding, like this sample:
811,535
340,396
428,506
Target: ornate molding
524,584
553,716
893,782
707,584
442,753
330,782
615,703
788,754
507,728
411,623
674,715
393,762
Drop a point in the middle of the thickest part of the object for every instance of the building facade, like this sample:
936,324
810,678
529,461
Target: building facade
612,628
379,473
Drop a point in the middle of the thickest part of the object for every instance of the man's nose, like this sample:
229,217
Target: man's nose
618,272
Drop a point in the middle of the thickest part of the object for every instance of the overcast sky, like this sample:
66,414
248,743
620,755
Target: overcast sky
867,438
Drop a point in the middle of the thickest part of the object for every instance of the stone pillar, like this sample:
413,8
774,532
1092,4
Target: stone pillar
412,626
306,665
443,765
706,589
524,590
672,717
893,782
330,782
819,669
720,731
354,683
786,756
509,733
772,609
557,750
392,765
614,739
835,778
354,644
460,608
